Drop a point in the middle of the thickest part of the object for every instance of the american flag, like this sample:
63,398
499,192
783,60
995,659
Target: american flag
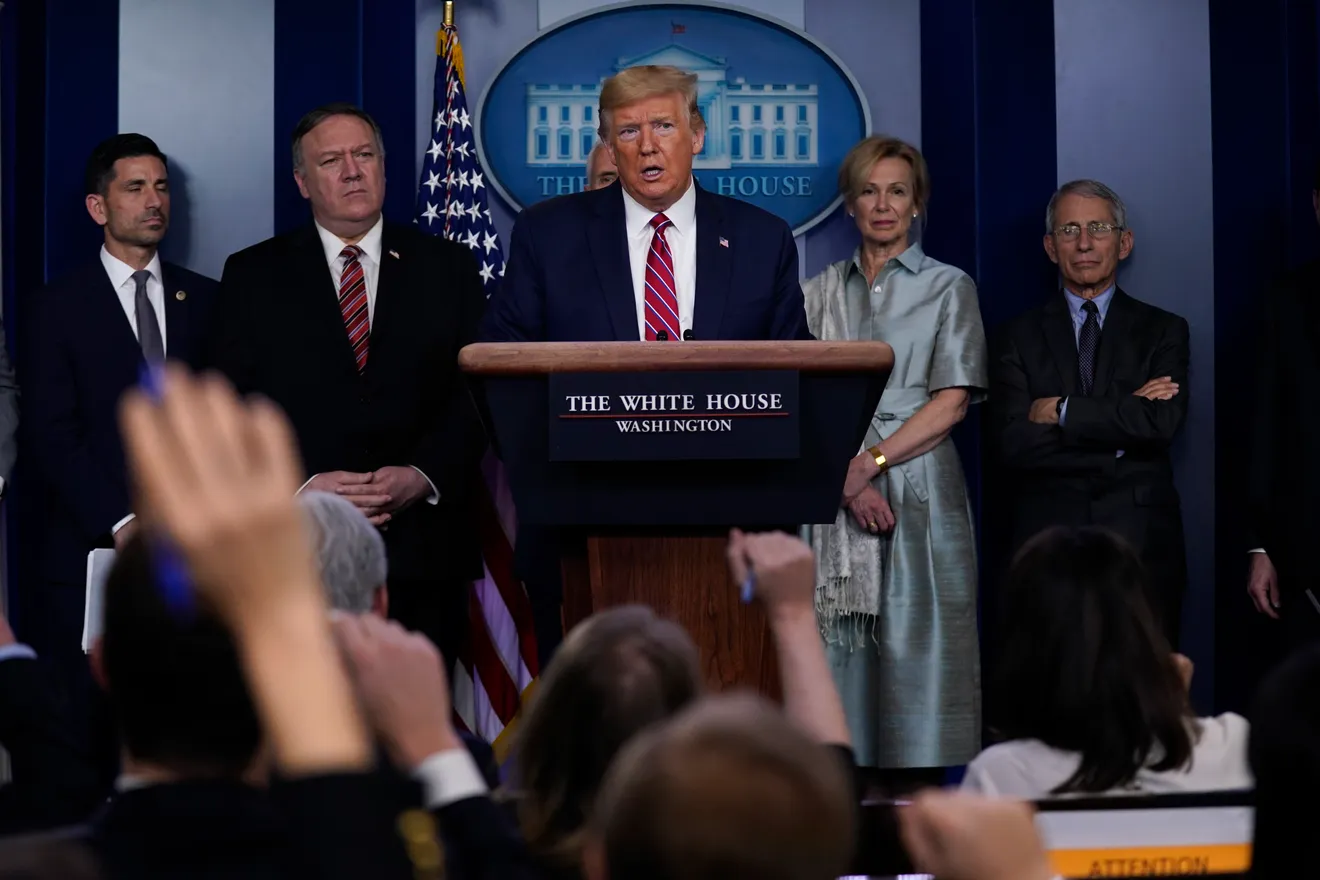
494,676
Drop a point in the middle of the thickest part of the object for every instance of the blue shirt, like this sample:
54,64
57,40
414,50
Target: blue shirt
1075,304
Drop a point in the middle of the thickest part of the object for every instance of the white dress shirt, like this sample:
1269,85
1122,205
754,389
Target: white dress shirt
448,777
682,239
370,260
121,278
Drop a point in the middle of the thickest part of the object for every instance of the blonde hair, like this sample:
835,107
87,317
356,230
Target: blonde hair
855,171
648,81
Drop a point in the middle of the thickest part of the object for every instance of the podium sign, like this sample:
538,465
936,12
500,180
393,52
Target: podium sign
674,416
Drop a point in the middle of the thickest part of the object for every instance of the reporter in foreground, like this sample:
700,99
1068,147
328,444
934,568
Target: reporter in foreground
624,671
1088,696
216,479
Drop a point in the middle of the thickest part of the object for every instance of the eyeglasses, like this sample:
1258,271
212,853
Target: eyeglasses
1070,231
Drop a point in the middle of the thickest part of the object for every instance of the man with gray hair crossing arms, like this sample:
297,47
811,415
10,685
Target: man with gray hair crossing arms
1087,392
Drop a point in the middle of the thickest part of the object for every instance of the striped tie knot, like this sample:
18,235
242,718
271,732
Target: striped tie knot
661,223
350,252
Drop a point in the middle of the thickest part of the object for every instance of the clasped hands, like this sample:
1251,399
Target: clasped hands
379,494
1045,410
867,506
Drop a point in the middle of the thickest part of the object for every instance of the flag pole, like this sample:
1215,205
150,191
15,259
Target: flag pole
449,13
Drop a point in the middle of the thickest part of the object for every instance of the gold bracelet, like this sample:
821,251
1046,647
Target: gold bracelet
880,460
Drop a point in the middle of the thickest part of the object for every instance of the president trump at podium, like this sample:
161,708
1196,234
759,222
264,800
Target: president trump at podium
653,256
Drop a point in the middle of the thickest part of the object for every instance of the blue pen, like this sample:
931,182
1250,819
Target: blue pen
171,574
749,587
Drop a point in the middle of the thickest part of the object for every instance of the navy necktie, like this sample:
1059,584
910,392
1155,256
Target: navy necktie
1088,343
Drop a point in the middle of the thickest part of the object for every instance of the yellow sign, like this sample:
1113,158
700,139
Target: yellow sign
1154,861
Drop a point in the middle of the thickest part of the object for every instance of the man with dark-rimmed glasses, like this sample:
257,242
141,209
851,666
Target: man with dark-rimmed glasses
1087,393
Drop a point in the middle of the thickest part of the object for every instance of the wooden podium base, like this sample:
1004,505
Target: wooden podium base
684,578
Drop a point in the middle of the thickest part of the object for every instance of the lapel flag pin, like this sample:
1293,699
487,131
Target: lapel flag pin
394,254
724,242
180,296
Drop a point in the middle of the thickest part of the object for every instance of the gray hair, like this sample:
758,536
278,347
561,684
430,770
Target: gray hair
1091,189
349,551
315,117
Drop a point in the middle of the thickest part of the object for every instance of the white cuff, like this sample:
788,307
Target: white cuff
1258,550
434,497
16,651
304,485
114,530
448,777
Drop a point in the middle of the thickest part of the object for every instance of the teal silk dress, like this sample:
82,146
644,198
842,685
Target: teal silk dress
904,651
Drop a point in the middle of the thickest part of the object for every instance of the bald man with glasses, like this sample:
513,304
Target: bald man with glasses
1087,392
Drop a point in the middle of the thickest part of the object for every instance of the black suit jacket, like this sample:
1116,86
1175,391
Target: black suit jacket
55,782
1282,479
1071,474
78,355
278,330
568,277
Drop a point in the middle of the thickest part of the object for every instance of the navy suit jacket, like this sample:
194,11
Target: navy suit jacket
568,276
78,355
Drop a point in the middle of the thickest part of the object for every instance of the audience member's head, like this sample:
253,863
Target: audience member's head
601,170
616,674
1285,760
350,553
1083,665
179,694
728,788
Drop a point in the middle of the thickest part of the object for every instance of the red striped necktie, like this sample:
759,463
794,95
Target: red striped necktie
353,303
661,289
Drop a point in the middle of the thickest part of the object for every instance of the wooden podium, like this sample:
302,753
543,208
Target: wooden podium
654,531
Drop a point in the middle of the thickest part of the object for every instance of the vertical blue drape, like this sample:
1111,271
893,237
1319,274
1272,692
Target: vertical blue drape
360,51
1265,92
60,98
988,134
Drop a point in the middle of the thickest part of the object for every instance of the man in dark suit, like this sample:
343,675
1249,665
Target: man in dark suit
654,256
1087,393
86,338
1282,485
353,326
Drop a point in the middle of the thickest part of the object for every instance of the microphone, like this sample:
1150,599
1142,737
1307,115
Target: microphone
687,335
661,336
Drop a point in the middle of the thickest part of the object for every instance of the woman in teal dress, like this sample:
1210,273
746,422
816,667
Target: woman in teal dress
896,571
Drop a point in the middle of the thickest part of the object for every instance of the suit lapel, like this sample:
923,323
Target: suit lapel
177,345
608,237
714,268
1117,332
316,286
107,311
1057,325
